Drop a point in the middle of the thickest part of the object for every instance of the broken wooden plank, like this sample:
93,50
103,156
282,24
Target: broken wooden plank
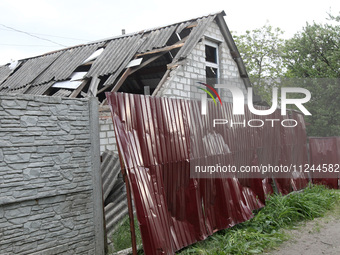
121,80
164,49
175,64
163,80
131,71
193,24
104,103
76,92
92,92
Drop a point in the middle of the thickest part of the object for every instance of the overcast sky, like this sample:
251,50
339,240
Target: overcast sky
60,23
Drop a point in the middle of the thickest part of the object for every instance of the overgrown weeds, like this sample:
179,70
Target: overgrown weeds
122,237
262,232
265,230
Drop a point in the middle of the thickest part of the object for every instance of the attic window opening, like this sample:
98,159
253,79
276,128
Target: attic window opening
211,54
211,59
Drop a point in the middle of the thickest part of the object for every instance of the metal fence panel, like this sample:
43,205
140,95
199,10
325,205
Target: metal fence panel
325,150
174,210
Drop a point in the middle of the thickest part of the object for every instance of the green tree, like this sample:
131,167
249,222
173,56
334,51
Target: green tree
314,53
261,50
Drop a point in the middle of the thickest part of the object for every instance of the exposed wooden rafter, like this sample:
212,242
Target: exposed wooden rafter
130,71
165,77
76,92
93,87
165,49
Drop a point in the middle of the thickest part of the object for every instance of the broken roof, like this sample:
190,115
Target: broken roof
94,68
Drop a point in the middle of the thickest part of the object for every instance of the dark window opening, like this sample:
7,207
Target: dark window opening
211,73
210,54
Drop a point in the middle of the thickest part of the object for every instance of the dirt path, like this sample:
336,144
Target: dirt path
320,236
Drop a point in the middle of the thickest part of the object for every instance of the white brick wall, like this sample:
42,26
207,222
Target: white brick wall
107,134
181,83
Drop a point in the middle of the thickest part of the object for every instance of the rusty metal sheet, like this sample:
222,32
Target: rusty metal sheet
325,150
173,209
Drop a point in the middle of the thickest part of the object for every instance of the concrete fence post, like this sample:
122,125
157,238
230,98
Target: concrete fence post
96,177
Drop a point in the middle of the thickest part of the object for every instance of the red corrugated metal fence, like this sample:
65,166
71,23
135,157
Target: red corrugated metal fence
325,150
159,138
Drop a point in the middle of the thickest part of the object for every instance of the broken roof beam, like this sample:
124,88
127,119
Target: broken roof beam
193,24
76,92
130,71
121,80
158,53
163,80
92,91
178,44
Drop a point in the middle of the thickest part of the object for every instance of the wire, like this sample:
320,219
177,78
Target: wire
32,35
28,45
56,36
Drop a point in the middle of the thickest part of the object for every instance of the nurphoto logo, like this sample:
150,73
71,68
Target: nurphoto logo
238,102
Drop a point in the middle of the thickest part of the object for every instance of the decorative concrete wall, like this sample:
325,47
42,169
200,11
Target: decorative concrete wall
50,181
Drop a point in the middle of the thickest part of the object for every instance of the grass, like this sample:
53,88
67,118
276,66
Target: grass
122,237
264,231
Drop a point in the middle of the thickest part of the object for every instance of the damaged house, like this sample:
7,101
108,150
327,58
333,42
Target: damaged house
163,62
166,61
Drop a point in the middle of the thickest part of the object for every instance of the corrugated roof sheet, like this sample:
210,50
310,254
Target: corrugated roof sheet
115,53
183,25
114,192
118,52
19,90
110,169
62,93
29,70
66,63
4,72
39,89
160,139
124,61
157,39
195,35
